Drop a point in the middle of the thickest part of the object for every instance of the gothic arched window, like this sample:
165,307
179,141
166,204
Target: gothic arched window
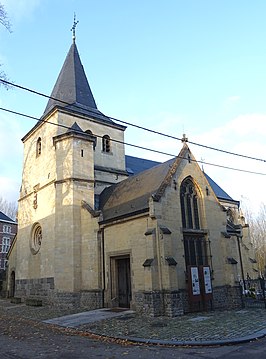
38,147
106,145
189,205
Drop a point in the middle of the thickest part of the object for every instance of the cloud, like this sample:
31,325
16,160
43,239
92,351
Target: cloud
232,99
244,134
9,188
10,156
230,102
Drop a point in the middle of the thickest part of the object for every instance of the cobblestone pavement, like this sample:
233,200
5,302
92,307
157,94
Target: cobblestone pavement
211,326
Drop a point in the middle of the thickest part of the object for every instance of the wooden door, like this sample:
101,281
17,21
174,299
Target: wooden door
199,288
124,282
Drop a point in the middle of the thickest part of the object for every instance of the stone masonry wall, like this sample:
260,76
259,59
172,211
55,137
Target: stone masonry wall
227,297
43,288
160,303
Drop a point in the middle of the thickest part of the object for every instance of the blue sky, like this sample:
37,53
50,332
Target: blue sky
174,66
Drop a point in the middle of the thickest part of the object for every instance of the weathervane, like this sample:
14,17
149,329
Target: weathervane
73,28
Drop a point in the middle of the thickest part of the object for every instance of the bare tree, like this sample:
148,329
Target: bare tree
4,18
6,23
8,208
258,235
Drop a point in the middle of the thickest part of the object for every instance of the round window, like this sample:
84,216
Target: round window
36,239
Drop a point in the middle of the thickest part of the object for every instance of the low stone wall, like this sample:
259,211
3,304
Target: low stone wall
43,289
227,297
150,303
159,303
38,287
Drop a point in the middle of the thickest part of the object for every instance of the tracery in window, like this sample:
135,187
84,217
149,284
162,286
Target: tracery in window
106,145
36,239
189,205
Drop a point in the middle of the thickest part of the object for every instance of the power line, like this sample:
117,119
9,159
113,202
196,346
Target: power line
137,126
132,145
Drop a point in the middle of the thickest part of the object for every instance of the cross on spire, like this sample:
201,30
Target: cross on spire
73,28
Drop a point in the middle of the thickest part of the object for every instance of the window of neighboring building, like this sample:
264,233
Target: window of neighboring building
106,143
36,239
88,132
6,228
189,205
4,246
39,147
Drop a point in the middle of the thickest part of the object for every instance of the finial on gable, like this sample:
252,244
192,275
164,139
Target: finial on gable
73,28
184,138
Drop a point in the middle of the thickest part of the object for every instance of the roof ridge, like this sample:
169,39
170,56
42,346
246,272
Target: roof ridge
172,170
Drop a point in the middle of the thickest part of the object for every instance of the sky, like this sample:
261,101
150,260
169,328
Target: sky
195,67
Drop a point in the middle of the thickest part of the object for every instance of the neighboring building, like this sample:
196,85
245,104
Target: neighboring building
8,230
97,228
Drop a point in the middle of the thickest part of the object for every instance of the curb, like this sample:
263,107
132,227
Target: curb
257,335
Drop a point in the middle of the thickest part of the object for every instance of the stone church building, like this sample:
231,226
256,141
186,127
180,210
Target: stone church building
97,228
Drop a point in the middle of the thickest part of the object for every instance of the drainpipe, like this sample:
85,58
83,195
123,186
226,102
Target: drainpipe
241,262
103,266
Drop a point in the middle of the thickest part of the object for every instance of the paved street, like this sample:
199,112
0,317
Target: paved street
24,335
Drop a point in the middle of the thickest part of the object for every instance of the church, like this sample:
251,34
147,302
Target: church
98,228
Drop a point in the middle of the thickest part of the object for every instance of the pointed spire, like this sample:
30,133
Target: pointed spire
72,86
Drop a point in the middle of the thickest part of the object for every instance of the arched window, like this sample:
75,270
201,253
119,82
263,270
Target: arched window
189,205
106,145
38,147
36,238
89,132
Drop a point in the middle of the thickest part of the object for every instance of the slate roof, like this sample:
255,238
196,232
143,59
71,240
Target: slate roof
3,217
73,88
135,165
219,192
132,195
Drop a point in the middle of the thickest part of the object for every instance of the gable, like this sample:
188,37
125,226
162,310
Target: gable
135,165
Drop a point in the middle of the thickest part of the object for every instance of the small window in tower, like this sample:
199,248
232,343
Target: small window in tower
106,143
95,138
36,238
39,147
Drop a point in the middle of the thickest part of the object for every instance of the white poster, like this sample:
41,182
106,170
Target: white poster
207,280
195,281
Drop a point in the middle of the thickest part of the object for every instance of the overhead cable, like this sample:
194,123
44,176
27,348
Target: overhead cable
138,126
132,145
